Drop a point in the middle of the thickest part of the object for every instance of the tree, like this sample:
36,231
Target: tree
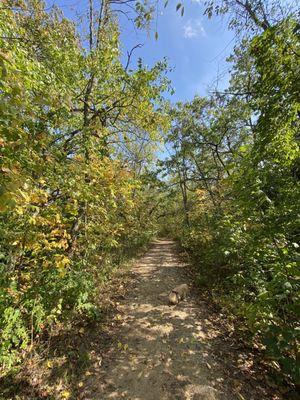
70,207
241,152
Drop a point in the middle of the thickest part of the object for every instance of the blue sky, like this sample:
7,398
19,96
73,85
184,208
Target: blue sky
196,47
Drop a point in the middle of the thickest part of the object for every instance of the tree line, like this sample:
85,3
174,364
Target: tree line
78,130
233,167
80,191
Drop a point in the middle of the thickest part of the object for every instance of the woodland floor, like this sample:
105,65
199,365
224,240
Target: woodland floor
148,350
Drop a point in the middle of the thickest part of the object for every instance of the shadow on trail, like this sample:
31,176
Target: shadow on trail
165,352
148,350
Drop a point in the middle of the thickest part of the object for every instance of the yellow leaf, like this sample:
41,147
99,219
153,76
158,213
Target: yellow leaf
24,195
65,394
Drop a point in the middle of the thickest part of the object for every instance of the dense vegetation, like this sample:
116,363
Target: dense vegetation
234,157
79,191
77,129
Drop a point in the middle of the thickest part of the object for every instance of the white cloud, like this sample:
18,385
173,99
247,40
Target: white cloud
193,28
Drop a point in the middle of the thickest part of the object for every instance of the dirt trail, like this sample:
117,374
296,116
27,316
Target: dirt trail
170,352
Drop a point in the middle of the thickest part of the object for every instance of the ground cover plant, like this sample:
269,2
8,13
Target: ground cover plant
82,188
